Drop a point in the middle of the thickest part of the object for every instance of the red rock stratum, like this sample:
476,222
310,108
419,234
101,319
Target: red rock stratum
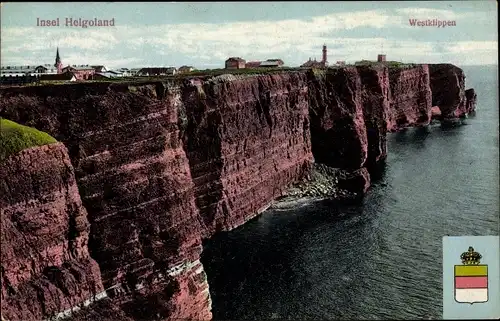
160,165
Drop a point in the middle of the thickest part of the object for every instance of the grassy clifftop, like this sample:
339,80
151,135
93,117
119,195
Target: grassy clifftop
14,138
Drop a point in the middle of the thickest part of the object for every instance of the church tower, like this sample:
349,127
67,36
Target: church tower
58,63
324,61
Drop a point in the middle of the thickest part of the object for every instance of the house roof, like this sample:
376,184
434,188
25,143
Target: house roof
81,67
17,69
157,70
17,74
269,63
236,59
252,64
276,60
98,67
313,63
109,74
105,74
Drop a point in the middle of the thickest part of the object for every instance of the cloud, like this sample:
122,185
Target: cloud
210,44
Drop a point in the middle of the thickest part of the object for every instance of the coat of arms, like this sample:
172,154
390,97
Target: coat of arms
471,279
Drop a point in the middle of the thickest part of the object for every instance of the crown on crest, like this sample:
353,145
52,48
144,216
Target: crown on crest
471,257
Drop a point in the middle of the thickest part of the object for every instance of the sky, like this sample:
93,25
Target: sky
205,34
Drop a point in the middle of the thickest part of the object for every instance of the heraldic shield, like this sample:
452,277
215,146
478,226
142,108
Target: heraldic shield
471,279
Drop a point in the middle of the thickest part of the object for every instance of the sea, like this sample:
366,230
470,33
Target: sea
315,259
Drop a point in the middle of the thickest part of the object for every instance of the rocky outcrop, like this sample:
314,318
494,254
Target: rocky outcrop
349,121
470,100
448,90
46,267
411,97
247,140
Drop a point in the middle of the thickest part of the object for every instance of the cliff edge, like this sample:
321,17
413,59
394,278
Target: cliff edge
160,165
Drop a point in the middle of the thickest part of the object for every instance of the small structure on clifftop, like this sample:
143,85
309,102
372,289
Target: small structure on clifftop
269,63
235,63
381,58
81,72
318,64
159,71
184,69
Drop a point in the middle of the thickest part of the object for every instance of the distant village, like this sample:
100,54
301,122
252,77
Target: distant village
12,75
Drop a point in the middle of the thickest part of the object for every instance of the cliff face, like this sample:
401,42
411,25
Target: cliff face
411,97
46,267
160,165
134,180
470,100
448,90
247,140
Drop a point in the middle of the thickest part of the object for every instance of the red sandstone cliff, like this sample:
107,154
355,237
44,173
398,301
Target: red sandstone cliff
448,90
411,97
134,179
470,100
46,267
247,140
353,108
161,165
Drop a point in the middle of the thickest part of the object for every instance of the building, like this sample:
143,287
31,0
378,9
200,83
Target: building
184,69
253,64
269,63
18,75
134,71
235,63
81,72
108,75
46,69
340,63
318,64
381,58
21,70
99,68
157,71
125,72
18,78
58,64
66,76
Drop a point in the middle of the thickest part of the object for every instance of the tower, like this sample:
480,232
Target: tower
381,58
58,63
324,60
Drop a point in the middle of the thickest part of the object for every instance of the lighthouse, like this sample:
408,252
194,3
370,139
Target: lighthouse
324,61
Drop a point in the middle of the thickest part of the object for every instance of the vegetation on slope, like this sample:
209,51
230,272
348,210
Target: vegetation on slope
389,64
15,137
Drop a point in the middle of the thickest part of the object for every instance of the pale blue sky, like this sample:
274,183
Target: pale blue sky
205,34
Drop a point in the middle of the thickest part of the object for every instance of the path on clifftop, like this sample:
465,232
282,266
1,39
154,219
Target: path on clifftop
381,259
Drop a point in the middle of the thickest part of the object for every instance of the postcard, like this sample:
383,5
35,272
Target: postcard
249,160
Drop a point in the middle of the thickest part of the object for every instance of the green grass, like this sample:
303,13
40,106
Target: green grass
389,64
14,138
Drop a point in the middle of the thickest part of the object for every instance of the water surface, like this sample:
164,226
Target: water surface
380,259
